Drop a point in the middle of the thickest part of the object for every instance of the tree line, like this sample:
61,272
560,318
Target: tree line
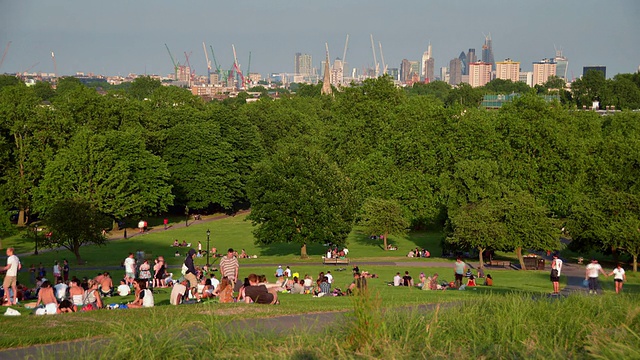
312,166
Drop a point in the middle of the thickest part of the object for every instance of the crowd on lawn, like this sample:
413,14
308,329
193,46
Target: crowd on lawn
434,282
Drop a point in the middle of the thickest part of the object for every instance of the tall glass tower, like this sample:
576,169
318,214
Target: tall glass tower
562,64
487,52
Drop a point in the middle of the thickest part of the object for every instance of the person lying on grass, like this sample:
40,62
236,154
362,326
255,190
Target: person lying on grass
144,296
259,293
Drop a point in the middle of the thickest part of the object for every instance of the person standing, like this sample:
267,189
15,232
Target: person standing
56,272
65,270
166,223
10,278
618,277
190,271
141,226
229,266
460,267
556,269
591,274
130,269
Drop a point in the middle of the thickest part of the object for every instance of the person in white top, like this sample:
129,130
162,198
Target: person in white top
214,282
13,265
329,277
397,280
556,268
130,269
346,251
591,274
123,289
144,296
287,272
329,254
618,277
60,290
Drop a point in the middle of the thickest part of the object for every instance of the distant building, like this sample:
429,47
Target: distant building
463,63
394,73
444,74
428,66
562,64
526,77
601,68
303,64
337,74
508,70
408,71
542,70
455,71
487,52
471,58
479,73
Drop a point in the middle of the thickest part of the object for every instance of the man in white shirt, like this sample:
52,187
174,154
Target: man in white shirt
593,270
13,265
329,277
556,268
214,282
397,280
329,254
287,272
123,289
177,292
130,269
61,290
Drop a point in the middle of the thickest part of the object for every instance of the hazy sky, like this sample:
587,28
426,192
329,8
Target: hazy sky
123,36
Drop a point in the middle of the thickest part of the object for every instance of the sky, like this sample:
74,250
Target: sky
118,37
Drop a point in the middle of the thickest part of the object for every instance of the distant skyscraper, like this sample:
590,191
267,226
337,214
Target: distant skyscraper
444,74
303,64
542,70
455,71
562,64
479,74
463,63
602,69
337,75
508,70
471,58
428,65
405,71
394,73
487,52
415,68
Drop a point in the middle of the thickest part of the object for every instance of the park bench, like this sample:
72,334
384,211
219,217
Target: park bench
335,261
503,263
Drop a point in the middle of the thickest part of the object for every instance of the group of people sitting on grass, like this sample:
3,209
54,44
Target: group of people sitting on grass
434,283
423,253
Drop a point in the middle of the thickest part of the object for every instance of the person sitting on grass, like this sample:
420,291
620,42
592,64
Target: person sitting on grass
423,281
358,285
407,280
471,281
224,291
175,243
488,281
259,293
47,299
298,286
178,292
92,295
241,294
67,306
106,285
324,288
207,292
144,296
123,288
76,293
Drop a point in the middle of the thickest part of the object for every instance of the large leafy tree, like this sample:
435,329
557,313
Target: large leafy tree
74,223
112,171
300,196
380,216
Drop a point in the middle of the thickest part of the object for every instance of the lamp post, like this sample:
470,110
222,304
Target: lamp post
208,233
35,236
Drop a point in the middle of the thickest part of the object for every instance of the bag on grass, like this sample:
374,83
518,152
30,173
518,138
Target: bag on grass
585,283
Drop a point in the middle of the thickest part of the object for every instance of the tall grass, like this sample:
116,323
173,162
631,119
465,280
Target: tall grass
491,327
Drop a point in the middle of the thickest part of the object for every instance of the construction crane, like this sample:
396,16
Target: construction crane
249,71
175,65
375,61
236,66
384,66
344,54
29,68
4,54
206,56
192,73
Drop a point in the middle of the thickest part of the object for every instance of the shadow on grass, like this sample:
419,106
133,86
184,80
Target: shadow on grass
280,249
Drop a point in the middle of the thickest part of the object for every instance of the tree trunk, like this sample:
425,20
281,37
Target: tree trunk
480,257
76,252
303,251
635,263
520,258
385,241
615,254
21,218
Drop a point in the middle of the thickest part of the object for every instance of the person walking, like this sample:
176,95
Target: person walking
592,272
556,269
10,278
130,269
618,277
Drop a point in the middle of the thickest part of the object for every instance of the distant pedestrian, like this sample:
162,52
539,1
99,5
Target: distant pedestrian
130,269
65,270
459,268
556,269
592,271
166,223
57,272
618,277
10,278
141,226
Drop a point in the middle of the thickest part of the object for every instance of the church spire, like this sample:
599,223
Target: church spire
326,79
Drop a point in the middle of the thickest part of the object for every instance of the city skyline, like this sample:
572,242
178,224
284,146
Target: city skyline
118,37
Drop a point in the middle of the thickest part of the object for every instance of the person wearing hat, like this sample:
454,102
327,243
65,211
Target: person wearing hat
279,272
593,270
556,268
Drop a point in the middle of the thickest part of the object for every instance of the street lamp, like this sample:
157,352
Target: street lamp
208,233
35,235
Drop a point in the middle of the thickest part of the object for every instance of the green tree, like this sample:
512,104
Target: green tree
143,87
465,96
502,86
478,226
112,171
380,216
8,80
44,91
74,223
300,196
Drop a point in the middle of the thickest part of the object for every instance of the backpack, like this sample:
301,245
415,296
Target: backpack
184,269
